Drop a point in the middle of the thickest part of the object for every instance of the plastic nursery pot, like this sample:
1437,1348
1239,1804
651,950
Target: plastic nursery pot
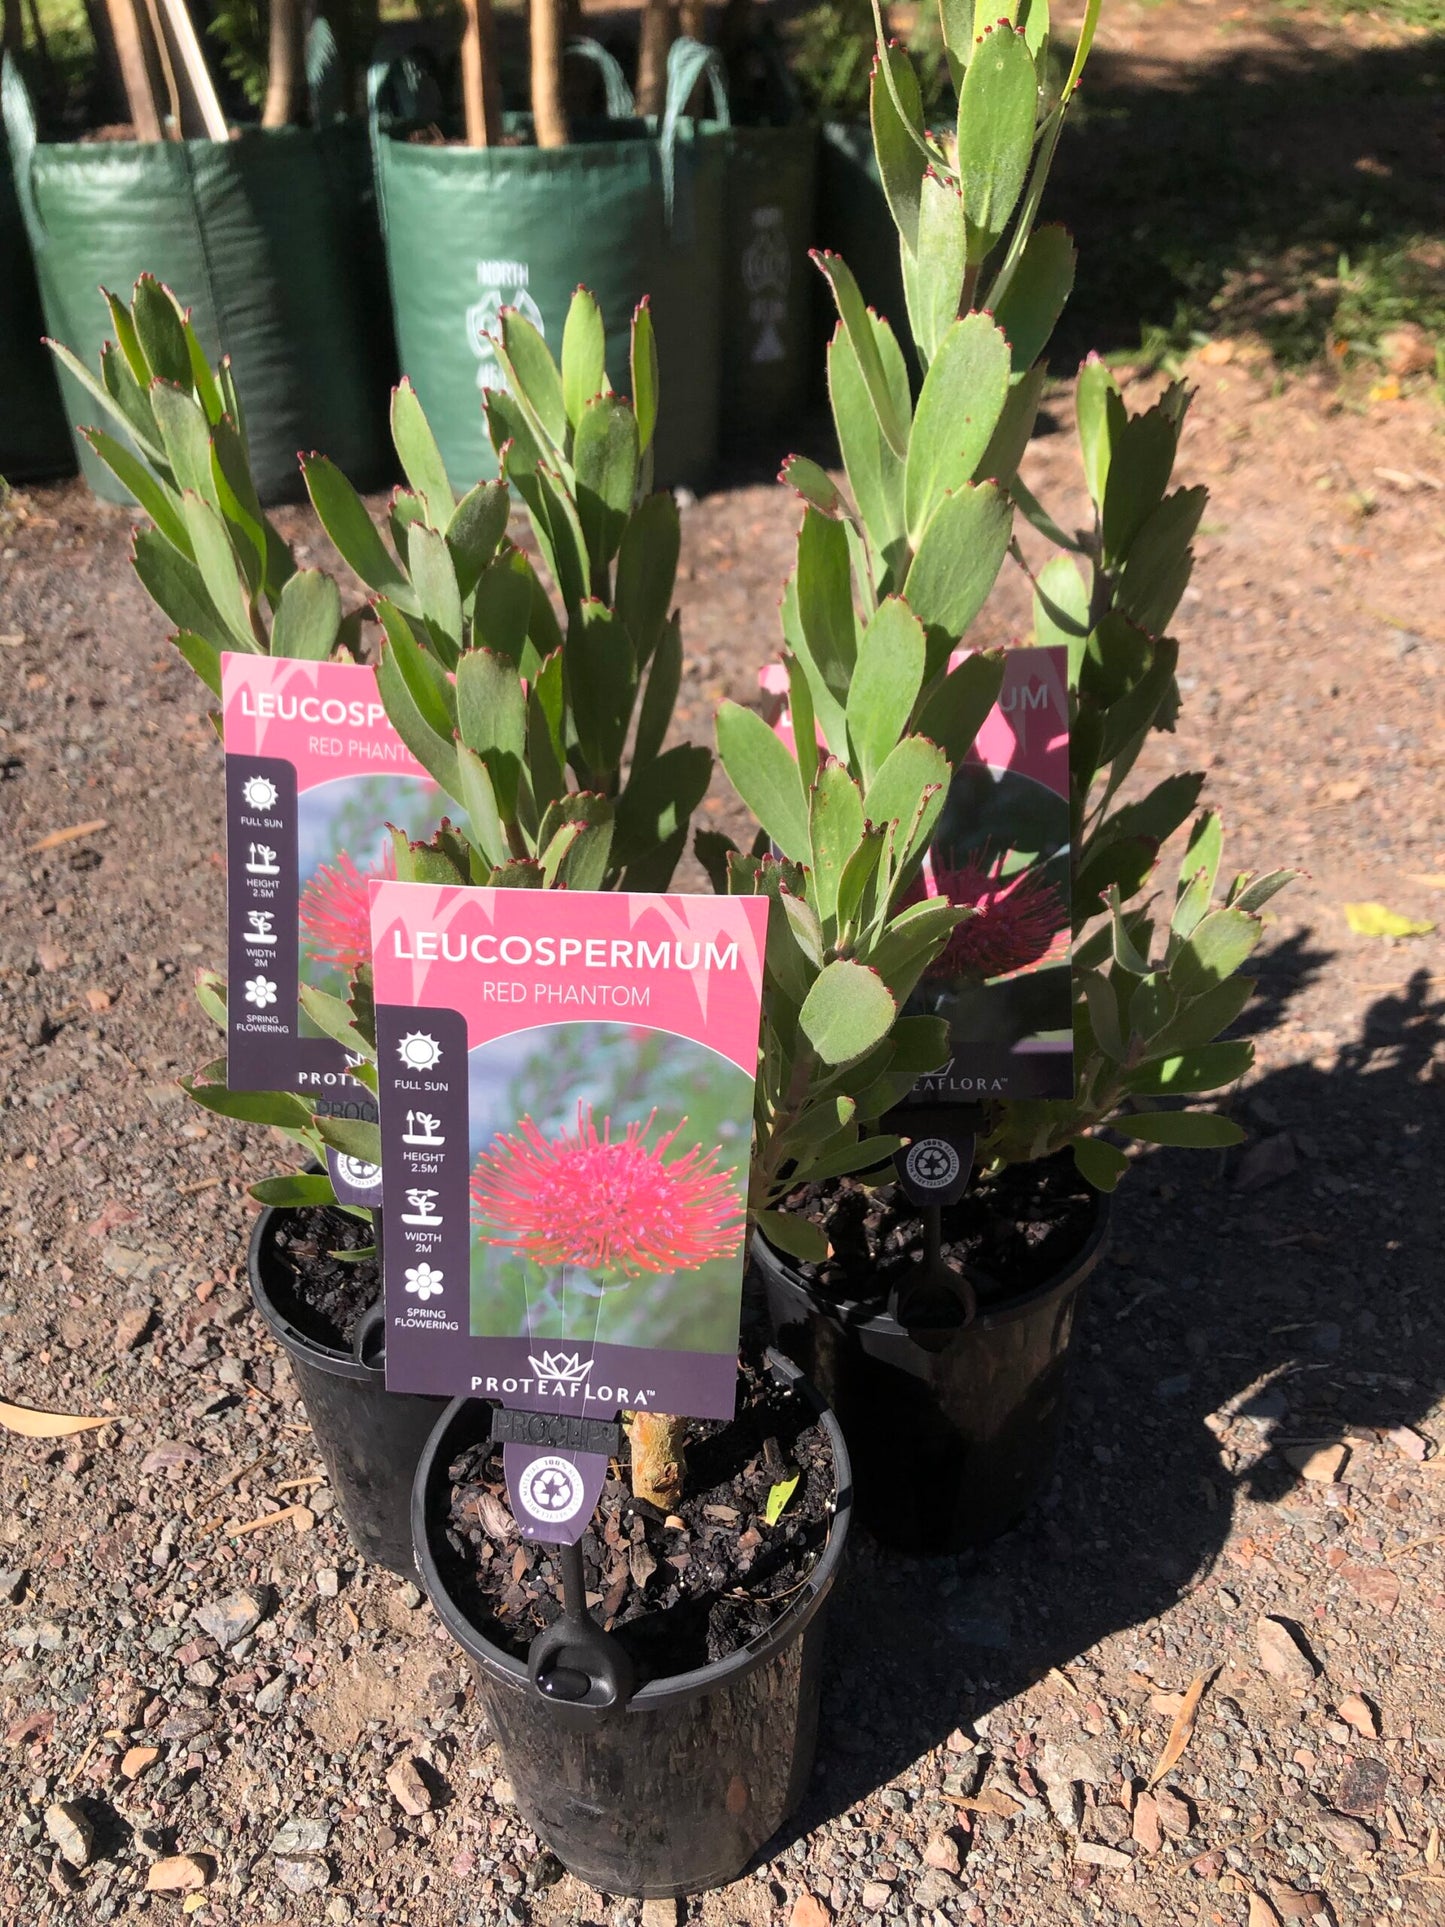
680,1790
270,239
951,1446
369,1439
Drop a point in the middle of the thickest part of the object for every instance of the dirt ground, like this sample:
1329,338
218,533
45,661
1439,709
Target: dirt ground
1251,1489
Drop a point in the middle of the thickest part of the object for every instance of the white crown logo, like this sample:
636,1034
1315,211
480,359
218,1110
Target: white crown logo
560,1367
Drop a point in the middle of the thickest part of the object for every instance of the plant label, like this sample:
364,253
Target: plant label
566,1091
314,775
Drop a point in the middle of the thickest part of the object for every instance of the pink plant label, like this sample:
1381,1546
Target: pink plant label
566,1091
1002,849
314,775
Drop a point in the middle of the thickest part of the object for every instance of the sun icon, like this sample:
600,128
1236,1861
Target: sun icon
418,1051
259,792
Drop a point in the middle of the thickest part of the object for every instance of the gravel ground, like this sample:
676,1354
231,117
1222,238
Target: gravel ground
209,1710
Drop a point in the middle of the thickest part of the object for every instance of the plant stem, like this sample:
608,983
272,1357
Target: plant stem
659,1457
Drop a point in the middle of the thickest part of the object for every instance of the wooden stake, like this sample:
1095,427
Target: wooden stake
654,38
283,64
180,30
481,96
131,39
548,113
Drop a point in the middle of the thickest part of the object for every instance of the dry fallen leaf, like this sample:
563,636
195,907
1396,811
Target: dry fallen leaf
1432,1847
274,1519
1374,920
54,838
1180,1733
991,1800
45,1425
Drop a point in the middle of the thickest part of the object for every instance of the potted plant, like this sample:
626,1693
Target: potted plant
453,597
517,210
266,233
968,1394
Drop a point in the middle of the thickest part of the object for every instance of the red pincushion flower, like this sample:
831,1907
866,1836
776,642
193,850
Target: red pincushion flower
1016,922
335,910
607,1204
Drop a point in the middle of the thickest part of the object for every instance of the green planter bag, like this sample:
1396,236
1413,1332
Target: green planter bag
269,239
633,210
34,440
854,221
768,336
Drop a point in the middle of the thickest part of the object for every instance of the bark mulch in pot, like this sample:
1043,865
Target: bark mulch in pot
682,1589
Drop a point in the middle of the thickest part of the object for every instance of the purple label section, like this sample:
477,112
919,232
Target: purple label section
261,888
553,1493
422,1070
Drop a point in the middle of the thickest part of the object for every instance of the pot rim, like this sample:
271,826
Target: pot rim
883,1324
674,1687
325,1358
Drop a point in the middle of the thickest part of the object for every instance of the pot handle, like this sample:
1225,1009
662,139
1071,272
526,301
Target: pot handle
369,1327
582,1673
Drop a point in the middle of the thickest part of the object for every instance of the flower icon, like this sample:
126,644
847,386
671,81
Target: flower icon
561,1367
424,1280
260,991
609,1204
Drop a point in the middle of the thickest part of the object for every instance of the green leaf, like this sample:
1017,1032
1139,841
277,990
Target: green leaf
434,578
898,141
421,459
875,473
154,497
1010,439
250,1107
864,1154
799,1237
335,1016
1102,999
1193,1130
1253,893
502,608
1161,560
351,1137
200,656
479,799
122,414
835,830
890,409
911,942
1220,944
959,706
1100,1164
159,331
884,684
415,708
814,484
1091,397
298,1192
644,373
343,516
957,564
647,571
1203,1018
535,381
216,560
962,397
585,859
477,525
660,697
778,1497
308,617
584,354
127,339
546,723
1157,815
846,1013
858,873
559,532
602,675
996,110
825,600
175,586
492,720
606,457
1197,871
659,800
933,273
1209,1068
765,776
1035,297
920,1045
187,438
1142,449
802,714
912,780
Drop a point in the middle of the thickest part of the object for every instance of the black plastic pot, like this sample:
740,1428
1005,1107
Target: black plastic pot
952,1441
369,1439
679,1791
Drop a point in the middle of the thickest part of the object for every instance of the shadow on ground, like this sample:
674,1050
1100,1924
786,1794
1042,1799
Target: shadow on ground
1306,1304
